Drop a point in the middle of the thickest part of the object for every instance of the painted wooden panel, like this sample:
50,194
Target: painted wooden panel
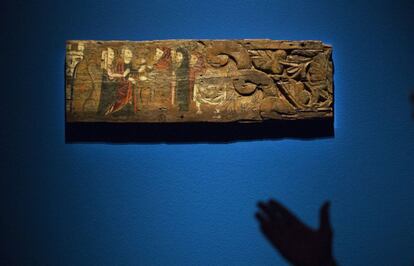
198,81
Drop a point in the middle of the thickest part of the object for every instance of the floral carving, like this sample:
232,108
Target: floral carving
292,81
269,61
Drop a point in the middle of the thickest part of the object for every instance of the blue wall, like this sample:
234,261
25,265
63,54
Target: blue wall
194,204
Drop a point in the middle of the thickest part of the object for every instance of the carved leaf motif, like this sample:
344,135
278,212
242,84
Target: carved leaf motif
276,104
318,68
283,106
293,69
320,80
297,59
306,53
268,60
296,90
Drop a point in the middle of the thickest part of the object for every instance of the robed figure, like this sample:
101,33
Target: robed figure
161,76
108,85
124,95
182,87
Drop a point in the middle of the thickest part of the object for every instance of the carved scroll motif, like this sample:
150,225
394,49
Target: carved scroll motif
198,81
292,81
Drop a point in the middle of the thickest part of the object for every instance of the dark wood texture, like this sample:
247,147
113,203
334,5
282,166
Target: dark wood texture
198,81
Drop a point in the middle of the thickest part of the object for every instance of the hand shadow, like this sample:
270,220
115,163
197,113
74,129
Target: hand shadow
294,240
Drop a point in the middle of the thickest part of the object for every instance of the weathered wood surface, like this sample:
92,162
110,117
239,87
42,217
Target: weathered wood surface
198,81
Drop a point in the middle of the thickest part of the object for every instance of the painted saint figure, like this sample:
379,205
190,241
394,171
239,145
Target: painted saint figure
181,93
161,74
162,59
197,68
108,85
124,95
155,85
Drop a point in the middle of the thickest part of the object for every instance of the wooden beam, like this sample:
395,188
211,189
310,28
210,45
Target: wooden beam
198,81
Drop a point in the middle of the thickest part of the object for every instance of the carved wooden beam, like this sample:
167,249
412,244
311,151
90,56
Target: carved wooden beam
198,81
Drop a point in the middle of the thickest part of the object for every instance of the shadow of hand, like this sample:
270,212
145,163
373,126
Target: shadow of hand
295,241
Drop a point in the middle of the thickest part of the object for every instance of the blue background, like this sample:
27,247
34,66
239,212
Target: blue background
194,204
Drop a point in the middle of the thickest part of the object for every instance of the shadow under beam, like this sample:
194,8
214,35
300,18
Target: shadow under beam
196,132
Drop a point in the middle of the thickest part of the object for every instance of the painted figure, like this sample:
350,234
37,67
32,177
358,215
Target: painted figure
181,93
197,68
160,75
108,85
162,59
155,88
124,95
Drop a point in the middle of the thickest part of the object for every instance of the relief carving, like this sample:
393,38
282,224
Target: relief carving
208,81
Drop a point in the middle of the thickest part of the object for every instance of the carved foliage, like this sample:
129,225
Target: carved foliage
293,81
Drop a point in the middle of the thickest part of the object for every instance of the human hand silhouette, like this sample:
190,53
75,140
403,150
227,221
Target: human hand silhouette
295,241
